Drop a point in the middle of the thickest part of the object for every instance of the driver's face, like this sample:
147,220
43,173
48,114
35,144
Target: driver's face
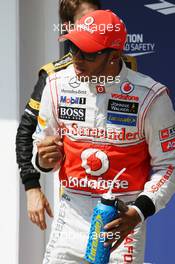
85,68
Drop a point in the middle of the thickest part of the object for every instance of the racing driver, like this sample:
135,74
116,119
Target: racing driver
126,121
69,11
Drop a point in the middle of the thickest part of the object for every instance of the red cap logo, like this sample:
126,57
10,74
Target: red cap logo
89,21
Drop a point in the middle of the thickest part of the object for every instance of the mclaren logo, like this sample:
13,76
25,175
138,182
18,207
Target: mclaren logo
163,7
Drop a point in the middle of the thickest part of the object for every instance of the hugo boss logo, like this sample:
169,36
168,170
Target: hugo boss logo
72,113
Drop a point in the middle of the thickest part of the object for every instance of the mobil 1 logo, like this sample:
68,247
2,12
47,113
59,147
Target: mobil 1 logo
72,100
72,113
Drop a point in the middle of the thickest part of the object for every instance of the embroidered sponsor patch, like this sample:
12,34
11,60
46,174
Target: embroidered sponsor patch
34,104
168,145
127,88
123,107
167,133
74,82
72,100
100,89
71,113
75,92
165,178
125,97
127,120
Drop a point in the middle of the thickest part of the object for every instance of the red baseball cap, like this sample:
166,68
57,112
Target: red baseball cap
98,30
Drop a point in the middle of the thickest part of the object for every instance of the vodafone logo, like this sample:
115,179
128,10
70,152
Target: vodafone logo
100,89
127,88
94,161
89,21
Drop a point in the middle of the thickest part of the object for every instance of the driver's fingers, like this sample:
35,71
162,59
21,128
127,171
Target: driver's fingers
42,219
48,209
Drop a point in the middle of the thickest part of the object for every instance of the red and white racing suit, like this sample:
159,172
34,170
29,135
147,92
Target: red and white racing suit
122,124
